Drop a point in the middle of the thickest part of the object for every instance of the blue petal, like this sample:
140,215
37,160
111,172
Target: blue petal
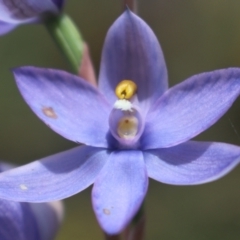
66,103
59,3
119,190
55,177
17,222
28,221
4,166
16,11
48,218
131,51
6,27
190,107
191,162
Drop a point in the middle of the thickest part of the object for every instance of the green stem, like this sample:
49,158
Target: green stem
68,38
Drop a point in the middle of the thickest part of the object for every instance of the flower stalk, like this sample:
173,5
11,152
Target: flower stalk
136,229
68,38
132,5
112,237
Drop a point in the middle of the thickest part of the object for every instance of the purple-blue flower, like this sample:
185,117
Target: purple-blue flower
129,136
28,221
16,12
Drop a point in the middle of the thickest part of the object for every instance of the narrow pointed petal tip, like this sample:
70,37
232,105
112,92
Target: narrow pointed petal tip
66,103
55,177
137,57
119,190
192,162
190,107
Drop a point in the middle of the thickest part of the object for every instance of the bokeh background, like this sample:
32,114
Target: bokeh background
196,36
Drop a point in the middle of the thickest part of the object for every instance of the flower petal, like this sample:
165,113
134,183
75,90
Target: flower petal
190,107
6,27
59,3
48,218
4,166
131,51
15,11
191,162
119,190
17,221
53,178
66,103
27,221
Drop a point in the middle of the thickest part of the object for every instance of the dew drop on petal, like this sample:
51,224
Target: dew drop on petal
106,211
23,187
49,112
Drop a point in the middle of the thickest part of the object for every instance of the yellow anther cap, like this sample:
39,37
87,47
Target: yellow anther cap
126,89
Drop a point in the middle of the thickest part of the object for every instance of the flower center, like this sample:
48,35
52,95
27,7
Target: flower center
125,121
126,89
128,124
127,127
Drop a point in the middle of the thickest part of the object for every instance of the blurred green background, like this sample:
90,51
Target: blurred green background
196,36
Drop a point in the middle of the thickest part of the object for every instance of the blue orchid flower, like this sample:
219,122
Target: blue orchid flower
16,12
28,221
132,127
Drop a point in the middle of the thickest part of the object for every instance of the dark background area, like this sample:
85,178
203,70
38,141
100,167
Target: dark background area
196,36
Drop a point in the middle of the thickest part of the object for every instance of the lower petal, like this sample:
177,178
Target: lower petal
191,162
55,177
119,190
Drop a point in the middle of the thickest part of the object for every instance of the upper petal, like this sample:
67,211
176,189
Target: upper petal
66,103
53,178
131,51
119,190
190,107
14,11
191,162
